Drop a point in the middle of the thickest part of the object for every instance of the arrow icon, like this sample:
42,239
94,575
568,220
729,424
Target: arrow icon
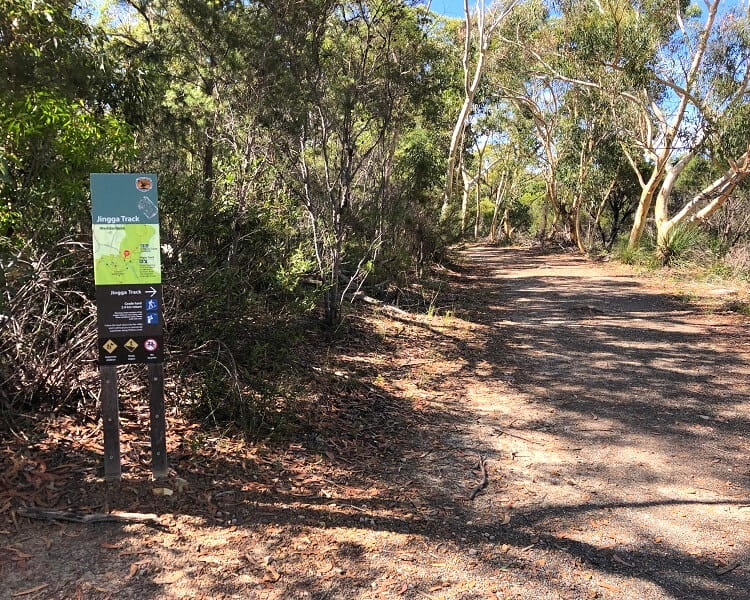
151,291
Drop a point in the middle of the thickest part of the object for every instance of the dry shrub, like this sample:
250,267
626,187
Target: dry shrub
738,257
47,326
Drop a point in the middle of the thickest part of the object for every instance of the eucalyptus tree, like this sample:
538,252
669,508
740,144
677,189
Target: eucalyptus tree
361,98
515,146
588,145
550,107
683,70
615,194
540,102
730,227
478,35
489,163
477,160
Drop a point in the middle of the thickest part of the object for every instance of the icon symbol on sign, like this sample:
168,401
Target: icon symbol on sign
144,184
131,344
147,207
152,304
109,346
152,318
150,344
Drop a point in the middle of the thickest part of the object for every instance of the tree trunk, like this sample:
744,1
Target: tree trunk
708,201
507,229
471,83
670,133
576,224
479,208
644,205
600,212
209,87
499,196
465,198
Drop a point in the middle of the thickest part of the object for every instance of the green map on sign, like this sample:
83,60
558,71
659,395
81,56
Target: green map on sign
126,254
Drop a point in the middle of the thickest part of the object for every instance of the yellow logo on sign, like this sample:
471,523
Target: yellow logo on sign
109,346
131,344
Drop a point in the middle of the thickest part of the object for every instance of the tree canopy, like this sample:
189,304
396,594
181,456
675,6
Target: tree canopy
307,151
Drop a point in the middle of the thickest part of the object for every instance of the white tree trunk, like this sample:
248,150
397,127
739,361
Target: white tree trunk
708,200
662,179
471,83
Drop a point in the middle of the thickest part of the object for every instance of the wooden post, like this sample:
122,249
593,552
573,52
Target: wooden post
110,423
159,466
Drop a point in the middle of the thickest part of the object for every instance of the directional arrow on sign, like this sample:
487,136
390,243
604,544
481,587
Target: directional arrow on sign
151,291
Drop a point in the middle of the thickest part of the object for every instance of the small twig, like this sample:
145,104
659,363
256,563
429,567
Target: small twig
483,483
729,569
518,437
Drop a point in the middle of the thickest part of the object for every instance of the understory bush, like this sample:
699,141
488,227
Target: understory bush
47,325
684,243
738,258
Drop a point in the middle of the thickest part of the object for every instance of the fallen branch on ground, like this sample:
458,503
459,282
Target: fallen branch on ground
380,304
33,512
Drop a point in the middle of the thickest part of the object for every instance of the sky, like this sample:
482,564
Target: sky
450,8
455,8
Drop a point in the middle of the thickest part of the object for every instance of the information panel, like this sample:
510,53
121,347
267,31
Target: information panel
127,267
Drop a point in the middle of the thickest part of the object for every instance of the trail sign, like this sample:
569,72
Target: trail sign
127,267
127,274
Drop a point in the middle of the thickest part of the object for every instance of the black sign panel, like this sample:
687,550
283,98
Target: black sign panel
130,324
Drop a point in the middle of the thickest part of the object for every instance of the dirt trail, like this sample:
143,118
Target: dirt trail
613,421
633,414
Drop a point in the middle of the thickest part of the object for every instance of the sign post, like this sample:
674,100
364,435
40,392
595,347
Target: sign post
110,422
127,274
